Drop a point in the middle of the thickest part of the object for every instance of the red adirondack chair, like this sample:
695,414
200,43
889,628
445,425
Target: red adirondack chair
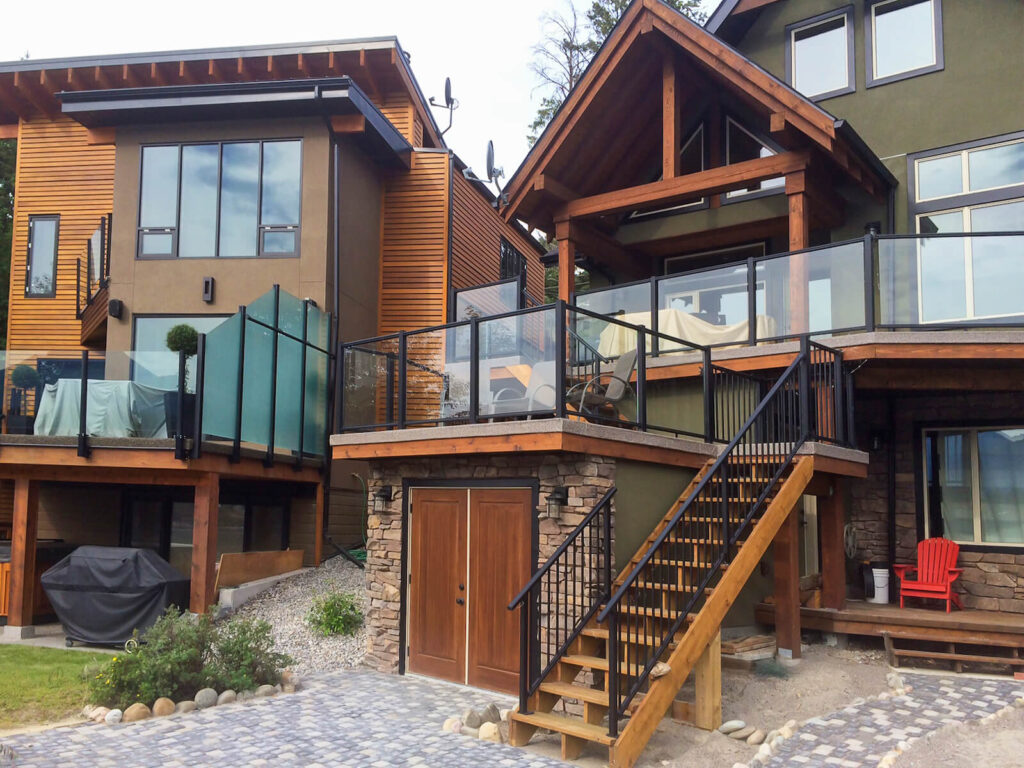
936,571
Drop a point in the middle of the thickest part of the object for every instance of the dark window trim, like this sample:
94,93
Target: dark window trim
851,64
29,256
915,209
869,51
261,228
701,123
920,479
724,198
505,244
408,484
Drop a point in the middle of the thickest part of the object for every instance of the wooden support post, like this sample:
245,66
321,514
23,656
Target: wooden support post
799,238
708,686
831,518
787,587
318,540
670,117
566,262
204,542
24,528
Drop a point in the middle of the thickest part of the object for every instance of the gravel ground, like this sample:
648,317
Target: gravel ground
286,604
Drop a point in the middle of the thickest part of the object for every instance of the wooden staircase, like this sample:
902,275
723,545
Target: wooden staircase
621,647
581,675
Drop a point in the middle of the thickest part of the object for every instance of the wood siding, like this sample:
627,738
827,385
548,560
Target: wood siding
58,172
476,232
414,245
398,108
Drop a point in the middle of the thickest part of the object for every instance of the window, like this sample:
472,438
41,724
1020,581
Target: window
513,263
229,200
819,54
692,159
152,363
974,484
970,189
904,39
41,264
741,145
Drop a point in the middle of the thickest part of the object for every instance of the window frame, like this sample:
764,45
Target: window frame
503,244
29,255
851,65
738,195
698,131
160,316
261,229
869,43
924,521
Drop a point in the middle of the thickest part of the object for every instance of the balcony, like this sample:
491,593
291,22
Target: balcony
92,278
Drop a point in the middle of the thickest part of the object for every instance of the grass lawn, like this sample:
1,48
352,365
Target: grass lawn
39,685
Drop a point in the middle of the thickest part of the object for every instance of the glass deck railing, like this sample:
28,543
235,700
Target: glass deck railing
879,282
549,361
258,382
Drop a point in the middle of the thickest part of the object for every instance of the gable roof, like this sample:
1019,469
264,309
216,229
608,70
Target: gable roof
640,19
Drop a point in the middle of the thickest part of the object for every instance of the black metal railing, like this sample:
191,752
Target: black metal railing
876,282
673,578
93,271
551,360
563,595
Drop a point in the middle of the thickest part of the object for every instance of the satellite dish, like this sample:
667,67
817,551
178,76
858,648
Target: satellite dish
490,160
448,100
450,103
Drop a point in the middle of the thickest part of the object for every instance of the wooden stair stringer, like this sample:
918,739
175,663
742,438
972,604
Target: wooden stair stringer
638,729
673,508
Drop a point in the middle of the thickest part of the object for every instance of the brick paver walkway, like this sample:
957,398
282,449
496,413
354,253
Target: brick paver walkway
860,735
352,718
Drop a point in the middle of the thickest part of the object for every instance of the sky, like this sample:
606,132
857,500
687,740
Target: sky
484,46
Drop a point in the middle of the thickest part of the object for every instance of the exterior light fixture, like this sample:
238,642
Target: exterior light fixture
557,499
381,498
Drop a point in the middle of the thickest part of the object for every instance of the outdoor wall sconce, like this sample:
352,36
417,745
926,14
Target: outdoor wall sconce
382,498
557,499
878,439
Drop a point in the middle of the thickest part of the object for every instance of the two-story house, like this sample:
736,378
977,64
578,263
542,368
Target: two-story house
270,199
800,352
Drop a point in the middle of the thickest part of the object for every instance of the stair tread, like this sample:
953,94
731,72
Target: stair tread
657,613
669,587
580,660
632,637
567,725
578,692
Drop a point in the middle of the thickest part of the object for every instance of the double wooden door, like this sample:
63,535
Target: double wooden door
469,554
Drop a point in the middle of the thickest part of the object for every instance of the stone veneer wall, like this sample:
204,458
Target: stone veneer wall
587,477
991,580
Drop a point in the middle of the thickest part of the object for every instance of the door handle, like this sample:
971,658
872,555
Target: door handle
462,587
460,601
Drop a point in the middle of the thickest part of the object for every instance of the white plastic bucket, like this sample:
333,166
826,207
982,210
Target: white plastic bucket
881,579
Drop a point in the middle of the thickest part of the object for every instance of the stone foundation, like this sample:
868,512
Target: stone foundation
991,580
587,478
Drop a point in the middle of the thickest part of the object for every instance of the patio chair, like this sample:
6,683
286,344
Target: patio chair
936,571
605,390
539,395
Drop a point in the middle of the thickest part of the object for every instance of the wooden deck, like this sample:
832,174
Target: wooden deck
861,618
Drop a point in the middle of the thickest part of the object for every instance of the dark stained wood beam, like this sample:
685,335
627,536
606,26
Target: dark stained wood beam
553,187
831,519
24,531
318,534
204,543
671,117
799,238
786,555
566,262
694,185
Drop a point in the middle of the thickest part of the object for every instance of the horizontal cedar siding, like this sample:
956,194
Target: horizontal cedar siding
414,245
476,253
57,173
398,109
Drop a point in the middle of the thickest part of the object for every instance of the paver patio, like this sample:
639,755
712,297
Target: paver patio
364,718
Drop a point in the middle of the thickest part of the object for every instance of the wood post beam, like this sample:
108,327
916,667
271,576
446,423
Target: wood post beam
831,518
694,185
24,530
708,686
204,543
554,188
566,261
671,116
318,535
799,238
786,551
157,76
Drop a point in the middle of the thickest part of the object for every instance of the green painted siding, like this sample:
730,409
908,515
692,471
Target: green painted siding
645,493
977,95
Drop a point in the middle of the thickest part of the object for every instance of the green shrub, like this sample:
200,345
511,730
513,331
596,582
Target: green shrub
181,654
335,613
183,338
25,377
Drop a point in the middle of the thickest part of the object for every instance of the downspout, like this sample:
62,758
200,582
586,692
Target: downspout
890,211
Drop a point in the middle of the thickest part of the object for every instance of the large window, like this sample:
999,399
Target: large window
41,265
974,484
903,38
152,363
513,263
819,54
232,200
742,145
692,159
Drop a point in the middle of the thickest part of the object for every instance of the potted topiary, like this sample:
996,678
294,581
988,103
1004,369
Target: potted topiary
181,338
24,379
